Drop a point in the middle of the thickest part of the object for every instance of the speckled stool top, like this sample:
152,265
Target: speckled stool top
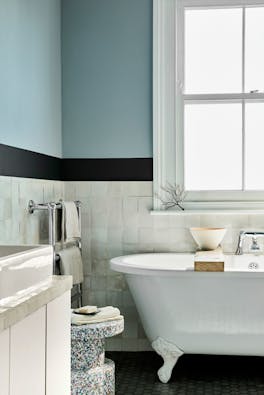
91,372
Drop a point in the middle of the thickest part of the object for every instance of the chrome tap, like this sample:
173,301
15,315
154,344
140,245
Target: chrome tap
242,235
254,245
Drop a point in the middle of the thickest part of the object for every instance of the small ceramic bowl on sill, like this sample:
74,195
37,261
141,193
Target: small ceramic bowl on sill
208,238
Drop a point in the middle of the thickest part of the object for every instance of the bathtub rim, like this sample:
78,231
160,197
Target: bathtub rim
117,264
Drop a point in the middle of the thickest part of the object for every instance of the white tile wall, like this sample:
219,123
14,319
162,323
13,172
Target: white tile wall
17,226
117,222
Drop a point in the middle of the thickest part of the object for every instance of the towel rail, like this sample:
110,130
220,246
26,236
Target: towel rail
32,206
51,207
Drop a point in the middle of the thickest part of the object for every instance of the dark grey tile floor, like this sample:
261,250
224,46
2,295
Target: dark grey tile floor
193,375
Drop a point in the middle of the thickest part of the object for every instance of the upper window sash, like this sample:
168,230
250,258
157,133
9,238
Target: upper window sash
246,81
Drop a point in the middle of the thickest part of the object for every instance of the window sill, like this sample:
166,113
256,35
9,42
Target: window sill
206,212
216,208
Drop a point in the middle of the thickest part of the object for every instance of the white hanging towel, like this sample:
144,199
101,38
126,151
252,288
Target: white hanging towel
71,264
70,222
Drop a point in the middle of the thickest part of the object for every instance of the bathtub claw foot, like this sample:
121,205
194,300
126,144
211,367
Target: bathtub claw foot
170,354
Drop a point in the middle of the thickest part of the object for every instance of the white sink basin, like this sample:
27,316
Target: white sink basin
22,267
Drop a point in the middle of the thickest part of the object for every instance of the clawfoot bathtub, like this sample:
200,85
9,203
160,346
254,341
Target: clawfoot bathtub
183,311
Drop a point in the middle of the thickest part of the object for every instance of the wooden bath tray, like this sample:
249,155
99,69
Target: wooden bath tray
209,266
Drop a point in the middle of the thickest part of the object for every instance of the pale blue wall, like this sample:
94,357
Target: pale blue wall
107,78
30,75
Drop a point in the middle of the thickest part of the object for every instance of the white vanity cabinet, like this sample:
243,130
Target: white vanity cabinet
35,352
4,362
58,373
27,355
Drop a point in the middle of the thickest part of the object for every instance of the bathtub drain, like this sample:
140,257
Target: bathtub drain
253,265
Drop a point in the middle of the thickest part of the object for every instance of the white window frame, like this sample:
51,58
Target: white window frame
168,146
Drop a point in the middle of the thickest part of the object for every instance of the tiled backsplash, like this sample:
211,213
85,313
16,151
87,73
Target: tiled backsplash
115,221
17,226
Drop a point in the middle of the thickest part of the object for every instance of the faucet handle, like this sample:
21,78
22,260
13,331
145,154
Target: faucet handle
254,245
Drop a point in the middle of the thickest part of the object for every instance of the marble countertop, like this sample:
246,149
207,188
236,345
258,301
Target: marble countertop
19,306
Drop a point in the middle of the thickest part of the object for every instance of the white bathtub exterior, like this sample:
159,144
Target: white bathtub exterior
194,312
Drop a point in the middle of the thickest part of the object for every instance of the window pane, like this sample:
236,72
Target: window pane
254,44
213,146
254,139
213,51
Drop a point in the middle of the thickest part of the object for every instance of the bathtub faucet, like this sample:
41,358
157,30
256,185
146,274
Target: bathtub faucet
254,246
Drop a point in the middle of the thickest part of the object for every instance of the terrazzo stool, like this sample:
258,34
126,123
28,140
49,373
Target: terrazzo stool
91,372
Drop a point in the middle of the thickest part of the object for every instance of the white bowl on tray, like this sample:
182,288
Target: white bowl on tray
208,238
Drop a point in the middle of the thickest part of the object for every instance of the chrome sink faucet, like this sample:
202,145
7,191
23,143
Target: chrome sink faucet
254,246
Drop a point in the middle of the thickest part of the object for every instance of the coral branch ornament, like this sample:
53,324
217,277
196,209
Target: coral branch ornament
174,196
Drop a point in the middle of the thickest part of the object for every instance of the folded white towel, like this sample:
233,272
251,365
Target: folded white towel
70,222
71,264
107,313
216,255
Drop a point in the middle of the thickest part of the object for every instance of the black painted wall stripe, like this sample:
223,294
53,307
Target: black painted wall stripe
17,162
121,169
